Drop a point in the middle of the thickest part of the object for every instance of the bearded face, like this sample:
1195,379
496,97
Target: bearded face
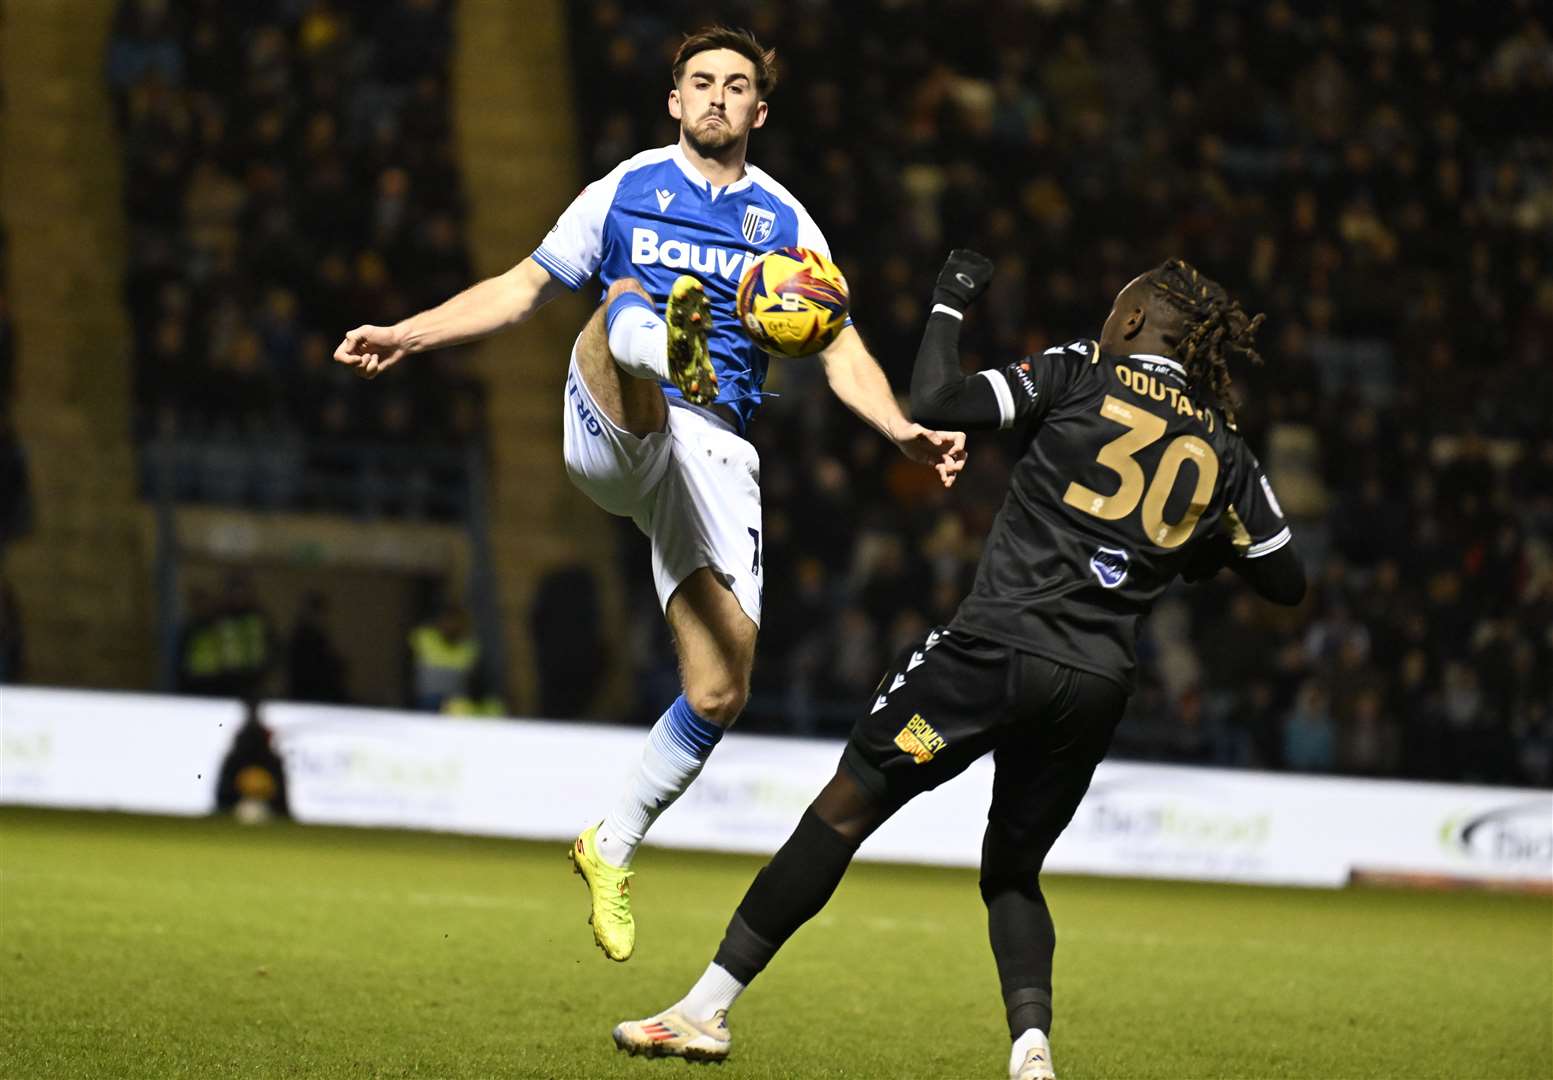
716,101
712,132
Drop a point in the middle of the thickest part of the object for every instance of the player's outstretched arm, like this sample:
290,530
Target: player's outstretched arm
856,378
941,394
479,311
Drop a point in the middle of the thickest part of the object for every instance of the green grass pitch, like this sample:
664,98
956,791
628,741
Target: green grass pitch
151,947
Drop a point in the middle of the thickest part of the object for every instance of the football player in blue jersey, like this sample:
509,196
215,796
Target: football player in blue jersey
661,387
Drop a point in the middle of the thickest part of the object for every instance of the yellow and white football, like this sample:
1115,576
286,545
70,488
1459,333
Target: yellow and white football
793,301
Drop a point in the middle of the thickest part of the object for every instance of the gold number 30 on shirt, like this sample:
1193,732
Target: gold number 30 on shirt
1144,429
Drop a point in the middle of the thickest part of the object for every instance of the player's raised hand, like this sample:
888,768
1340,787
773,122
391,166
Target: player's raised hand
371,350
944,450
965,276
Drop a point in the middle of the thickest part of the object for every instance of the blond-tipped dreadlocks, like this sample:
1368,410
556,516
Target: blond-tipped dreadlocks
1213,328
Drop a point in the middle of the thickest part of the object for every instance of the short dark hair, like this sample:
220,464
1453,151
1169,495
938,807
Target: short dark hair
1213,329
740,41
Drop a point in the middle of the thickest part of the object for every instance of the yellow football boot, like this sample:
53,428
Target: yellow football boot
609,888
689,315
670,1034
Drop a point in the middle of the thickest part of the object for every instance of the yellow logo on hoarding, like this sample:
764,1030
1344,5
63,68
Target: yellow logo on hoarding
919,739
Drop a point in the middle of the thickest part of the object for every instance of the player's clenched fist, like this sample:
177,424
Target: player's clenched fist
371,350
964,277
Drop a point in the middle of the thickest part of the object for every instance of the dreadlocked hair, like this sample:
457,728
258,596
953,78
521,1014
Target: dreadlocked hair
1214,329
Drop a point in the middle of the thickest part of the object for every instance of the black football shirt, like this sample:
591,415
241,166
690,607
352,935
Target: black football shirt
1122,472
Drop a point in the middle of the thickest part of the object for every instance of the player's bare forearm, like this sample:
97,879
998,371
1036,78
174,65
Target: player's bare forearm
856,378
479,311
483,309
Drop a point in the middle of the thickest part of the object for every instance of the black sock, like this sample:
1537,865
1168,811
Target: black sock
788,892
1023,941
1028,1008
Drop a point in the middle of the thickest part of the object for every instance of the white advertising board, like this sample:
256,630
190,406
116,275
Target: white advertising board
547,780
543,780
102,751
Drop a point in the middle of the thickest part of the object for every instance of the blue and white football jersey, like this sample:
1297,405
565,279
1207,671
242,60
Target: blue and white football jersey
655,217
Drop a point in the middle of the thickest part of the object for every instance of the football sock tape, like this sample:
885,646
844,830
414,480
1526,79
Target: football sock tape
1028,1008
787,893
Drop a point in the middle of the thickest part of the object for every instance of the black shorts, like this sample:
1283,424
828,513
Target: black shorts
953,697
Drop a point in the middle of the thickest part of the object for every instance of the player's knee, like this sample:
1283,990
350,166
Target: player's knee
850,808
718,703
1010,862
621,286
1008,879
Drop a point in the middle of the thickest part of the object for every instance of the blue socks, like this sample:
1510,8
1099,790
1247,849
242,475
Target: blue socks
687,732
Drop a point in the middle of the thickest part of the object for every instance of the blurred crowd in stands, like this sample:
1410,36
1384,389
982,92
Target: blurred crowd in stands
1369,175
286,163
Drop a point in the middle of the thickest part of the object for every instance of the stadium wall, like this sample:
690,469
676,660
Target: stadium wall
542,780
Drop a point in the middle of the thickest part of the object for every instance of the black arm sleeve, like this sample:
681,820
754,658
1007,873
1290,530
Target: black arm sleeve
1278,576
1205,558
941,395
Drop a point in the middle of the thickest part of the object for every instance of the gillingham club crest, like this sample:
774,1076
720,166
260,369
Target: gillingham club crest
758,224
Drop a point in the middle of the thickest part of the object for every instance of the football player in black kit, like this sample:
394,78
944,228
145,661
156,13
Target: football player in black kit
1132,473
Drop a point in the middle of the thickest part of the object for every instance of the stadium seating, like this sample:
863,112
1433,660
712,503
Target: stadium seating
287,168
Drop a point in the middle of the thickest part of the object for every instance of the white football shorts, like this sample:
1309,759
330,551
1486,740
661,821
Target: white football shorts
693,489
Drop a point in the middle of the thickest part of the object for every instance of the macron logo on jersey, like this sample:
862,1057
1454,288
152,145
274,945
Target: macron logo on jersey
648,250
664,198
